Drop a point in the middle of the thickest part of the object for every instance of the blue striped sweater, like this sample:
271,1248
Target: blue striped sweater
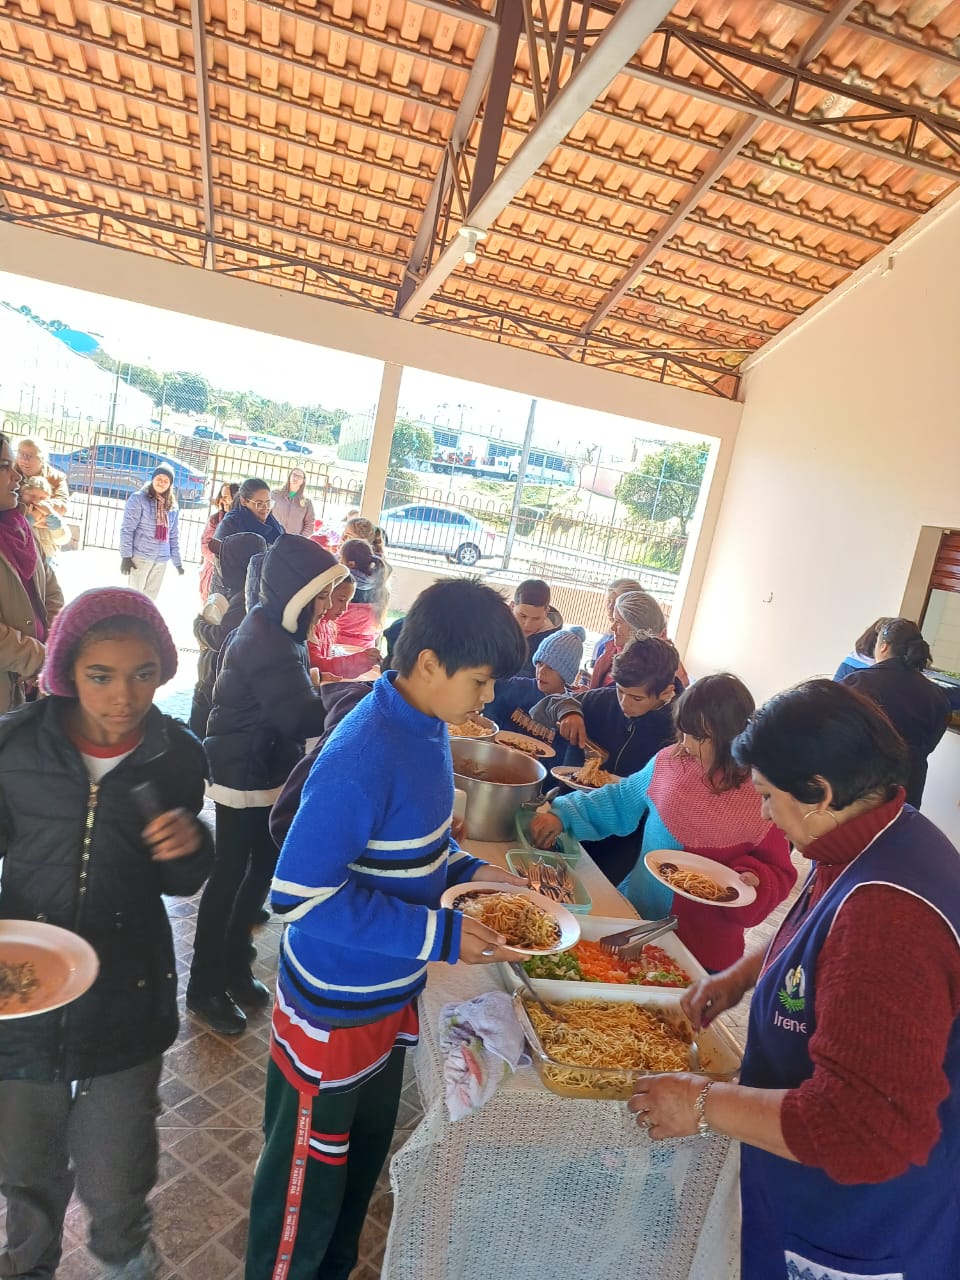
364,864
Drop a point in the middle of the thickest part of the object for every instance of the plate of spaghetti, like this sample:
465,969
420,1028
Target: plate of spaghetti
529,746
531,924
585,777
699,879
474,727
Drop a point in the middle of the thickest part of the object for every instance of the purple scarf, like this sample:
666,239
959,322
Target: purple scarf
19,547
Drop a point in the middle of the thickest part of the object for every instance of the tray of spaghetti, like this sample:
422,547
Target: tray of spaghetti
598,1048
700,879
530,923
665,967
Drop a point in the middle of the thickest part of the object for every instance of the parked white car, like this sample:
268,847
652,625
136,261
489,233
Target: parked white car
440,530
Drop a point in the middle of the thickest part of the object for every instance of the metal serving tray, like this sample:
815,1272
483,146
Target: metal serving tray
715,1055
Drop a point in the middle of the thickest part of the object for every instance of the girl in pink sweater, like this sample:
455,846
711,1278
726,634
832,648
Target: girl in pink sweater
324,636
691,796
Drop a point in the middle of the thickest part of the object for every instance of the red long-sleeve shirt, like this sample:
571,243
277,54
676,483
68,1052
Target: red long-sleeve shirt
887,995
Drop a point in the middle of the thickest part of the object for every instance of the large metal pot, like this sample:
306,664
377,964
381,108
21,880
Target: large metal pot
497,781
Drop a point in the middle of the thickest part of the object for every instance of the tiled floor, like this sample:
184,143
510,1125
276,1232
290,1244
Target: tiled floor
212,1093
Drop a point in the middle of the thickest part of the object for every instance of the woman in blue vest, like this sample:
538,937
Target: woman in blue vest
848,1106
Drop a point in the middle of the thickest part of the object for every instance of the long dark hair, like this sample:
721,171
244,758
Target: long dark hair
247,490
906,643
218,511
717,707
867,643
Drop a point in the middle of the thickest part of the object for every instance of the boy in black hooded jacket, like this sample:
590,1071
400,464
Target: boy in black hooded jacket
264,708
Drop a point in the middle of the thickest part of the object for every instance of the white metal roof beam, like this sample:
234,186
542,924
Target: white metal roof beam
466,115
203,125
628,28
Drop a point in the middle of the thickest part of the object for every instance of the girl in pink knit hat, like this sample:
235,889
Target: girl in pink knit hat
99,796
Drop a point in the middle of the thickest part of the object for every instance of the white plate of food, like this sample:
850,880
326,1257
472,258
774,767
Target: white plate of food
573,775
475,726
529,746
42,967
699,879
532,924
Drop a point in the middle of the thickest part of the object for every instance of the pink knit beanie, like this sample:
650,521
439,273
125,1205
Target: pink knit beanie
90,607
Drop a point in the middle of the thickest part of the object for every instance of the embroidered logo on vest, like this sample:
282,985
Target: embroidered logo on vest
792,995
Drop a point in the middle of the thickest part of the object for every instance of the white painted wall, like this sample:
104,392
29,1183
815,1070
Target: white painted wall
848,443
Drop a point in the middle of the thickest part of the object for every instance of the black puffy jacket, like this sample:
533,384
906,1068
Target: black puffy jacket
236,552
73,856
264,706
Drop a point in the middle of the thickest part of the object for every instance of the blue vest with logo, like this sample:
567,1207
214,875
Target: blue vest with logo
798,1223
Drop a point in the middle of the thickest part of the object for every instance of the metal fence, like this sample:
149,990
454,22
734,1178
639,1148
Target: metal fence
549,542
552,544
99,487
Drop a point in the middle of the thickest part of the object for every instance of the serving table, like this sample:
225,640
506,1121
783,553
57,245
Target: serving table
550,1187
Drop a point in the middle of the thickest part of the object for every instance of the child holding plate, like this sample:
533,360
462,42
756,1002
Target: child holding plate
78,1085
364,864
690,796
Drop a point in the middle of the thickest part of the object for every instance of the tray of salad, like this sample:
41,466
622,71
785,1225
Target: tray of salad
665,966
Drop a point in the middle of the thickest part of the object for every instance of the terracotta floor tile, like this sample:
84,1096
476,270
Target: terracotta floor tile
220,1167
234,1239
188,1214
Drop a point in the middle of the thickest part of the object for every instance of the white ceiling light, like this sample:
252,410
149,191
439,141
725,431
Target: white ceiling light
473,236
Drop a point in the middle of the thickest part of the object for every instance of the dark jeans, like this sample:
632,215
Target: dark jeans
104,1138
243,867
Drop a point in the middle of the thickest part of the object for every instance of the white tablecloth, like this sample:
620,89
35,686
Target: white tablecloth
555,1188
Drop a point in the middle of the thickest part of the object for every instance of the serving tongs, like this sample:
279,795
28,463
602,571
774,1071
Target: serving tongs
628,942
591,748
524,977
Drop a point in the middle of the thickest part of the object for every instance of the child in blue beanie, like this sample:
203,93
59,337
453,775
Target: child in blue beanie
556,662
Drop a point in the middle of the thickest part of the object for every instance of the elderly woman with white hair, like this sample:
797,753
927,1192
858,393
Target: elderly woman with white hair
634,614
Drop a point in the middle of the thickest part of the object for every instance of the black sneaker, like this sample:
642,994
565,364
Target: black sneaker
248,992
219,1013
263,916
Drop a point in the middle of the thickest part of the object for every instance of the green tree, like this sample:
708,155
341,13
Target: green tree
187,392
666,484
411,443
143,379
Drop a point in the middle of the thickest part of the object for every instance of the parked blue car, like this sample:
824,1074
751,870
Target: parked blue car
208,433
116,471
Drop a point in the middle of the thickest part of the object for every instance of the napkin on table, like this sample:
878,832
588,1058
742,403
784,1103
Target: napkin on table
481,1042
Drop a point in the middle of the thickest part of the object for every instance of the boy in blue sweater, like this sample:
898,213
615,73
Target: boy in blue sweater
358,882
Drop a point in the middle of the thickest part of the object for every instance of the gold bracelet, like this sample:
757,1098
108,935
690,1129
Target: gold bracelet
703,1126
